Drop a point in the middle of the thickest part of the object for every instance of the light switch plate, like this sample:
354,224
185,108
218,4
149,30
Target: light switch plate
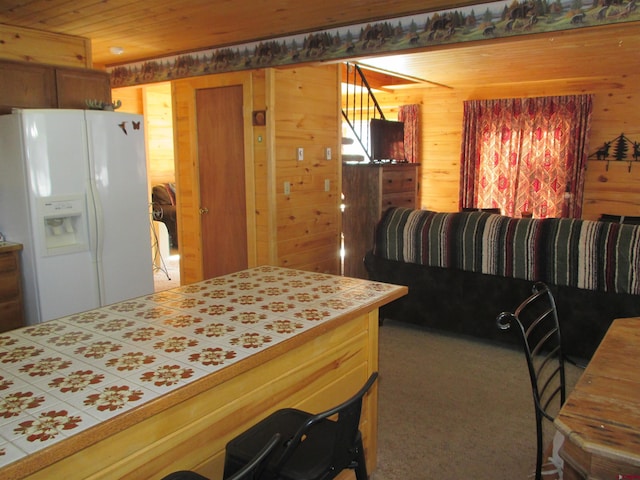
300,153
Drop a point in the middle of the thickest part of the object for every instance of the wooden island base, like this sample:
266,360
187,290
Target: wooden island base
314,371
156,384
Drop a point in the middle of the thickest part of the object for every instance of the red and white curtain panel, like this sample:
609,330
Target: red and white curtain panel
526,156
410,115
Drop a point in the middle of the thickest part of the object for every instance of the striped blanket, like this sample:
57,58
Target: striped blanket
560,251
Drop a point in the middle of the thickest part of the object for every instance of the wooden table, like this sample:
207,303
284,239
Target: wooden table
601,418
144,387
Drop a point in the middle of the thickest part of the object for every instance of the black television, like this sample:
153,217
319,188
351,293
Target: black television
387,140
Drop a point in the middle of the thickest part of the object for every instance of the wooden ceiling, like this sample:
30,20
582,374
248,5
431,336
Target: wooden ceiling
585,55
152,29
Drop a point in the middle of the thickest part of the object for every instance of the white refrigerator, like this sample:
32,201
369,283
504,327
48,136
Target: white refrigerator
73,191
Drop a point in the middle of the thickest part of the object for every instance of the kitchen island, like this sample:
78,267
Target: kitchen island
147,386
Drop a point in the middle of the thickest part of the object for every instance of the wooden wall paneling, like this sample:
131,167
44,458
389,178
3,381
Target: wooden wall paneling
441,130
261,148
158,116
307,116
271,232
187,172
440,134
294,221
250,168
37,46
308,250
131,98
615,111
613,190
187,197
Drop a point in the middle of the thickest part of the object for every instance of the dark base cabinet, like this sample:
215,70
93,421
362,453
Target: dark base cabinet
369,189
11,306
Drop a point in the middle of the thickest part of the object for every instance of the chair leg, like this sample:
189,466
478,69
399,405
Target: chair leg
361,467
539,448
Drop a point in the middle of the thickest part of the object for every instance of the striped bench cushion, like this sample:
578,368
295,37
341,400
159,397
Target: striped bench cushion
560,251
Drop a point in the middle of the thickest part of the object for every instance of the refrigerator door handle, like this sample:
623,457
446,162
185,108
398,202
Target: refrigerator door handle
96,242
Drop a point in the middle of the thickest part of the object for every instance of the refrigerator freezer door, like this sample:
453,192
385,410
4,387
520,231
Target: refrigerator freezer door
118,162
46,156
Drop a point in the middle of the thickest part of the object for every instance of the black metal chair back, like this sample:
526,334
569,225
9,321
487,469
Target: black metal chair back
314,446
252,470
535,321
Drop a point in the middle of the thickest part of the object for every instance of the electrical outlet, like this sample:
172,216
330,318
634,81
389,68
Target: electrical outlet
287,188
300,153
327,185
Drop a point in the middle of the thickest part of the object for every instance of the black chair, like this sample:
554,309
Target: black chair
163,200
252,470
535,322
314,446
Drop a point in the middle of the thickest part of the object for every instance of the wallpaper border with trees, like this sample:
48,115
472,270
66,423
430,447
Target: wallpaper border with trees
479,22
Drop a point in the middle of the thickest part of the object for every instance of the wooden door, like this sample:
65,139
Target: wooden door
222,180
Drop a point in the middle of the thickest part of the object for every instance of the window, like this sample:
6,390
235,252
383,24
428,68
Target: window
525,156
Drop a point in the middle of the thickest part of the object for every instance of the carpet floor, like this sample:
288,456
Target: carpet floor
453,408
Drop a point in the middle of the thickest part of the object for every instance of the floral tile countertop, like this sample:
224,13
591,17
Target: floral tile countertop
64,376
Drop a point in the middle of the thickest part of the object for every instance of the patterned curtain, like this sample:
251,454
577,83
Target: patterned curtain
526,155
409,114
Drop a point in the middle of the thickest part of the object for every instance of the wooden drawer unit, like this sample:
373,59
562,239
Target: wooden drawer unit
11,307
369,189
406,199
399,178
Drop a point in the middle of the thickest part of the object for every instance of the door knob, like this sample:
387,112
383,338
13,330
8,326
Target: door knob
203,210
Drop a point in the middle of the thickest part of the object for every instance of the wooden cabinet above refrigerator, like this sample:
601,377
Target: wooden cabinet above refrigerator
27,85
